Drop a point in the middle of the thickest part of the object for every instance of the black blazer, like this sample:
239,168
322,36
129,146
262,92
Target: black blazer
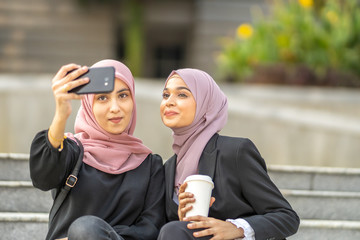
242,188
131,202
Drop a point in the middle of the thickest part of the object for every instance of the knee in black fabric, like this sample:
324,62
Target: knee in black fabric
178,230
175,230
86,227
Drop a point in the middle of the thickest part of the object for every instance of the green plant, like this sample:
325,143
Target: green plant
323,38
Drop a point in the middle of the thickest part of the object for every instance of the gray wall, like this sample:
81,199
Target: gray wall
289,125
44,35
41,37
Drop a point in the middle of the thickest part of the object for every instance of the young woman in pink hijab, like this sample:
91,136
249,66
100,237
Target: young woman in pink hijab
119,193
245,203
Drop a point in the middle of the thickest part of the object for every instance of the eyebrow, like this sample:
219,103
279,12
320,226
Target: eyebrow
123,90
178,88
120,91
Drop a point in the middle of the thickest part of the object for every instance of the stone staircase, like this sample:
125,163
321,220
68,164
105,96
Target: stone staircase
23,208
326,199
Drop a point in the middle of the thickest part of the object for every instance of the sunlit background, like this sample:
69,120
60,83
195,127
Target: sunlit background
290,70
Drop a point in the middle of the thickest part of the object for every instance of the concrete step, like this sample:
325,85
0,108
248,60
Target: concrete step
315,178
14,167
34,225
326,205
326,200
325,230
21,196
23,226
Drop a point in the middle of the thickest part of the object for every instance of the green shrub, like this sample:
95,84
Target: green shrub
298,36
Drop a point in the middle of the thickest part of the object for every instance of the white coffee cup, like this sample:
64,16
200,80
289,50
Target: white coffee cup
201,186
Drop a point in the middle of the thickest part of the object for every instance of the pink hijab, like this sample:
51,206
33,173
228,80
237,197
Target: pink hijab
110,153
210,117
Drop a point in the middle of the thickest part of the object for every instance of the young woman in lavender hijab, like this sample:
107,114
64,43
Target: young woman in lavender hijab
245,202
120,192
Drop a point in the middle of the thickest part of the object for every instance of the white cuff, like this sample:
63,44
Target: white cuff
248,230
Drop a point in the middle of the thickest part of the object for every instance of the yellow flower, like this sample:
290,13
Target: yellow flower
332,17
306,3
244,31
283,40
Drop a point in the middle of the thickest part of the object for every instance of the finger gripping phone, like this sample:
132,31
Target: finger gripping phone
101,81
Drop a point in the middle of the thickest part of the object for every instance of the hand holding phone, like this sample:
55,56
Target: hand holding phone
101,81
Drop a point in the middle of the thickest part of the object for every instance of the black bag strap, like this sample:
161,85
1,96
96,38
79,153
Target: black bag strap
69,184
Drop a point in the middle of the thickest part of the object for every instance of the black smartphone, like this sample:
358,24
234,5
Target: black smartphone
101,81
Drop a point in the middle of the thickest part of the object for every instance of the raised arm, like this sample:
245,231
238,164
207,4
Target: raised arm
61,84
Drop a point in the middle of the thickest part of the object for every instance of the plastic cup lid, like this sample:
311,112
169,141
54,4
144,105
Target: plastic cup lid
200,177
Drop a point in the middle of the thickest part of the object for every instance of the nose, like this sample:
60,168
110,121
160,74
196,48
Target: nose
114,108
170,101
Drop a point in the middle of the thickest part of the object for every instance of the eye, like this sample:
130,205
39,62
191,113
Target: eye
101,98
165,95
123,95
183,95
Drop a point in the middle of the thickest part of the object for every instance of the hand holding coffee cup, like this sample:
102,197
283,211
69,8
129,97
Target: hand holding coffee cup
201,187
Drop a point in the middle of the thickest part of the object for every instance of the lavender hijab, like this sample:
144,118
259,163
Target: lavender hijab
110,153
210,117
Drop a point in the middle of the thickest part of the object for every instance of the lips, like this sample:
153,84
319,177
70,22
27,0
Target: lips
170,113
115,119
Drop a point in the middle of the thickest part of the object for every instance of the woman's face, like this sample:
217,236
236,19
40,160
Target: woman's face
178,106
113,111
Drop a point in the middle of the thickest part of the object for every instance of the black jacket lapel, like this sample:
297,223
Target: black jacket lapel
207,160
171,206
207,165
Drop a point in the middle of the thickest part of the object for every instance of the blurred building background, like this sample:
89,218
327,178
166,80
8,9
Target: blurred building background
290,125
42,36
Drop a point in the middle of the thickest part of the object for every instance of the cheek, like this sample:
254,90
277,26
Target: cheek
97,112
191,111
190,116
128,108
162,105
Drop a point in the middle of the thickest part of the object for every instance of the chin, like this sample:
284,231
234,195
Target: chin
115,131
168,123
171,125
